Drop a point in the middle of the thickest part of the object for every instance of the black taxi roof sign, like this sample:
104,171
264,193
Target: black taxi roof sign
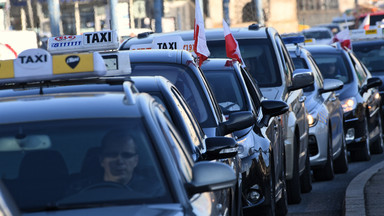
34,65
90,41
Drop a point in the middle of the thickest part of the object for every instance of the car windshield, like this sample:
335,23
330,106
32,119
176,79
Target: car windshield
186,82
227,90
371,55
80,163
319,35
333,66
258,58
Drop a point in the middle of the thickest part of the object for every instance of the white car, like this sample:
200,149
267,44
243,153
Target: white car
323,35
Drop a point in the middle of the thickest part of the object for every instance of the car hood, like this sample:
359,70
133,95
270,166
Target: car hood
132,210
270,92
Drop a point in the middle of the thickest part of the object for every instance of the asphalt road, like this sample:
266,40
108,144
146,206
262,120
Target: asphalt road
327,197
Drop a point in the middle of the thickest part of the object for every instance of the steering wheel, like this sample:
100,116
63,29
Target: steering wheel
104,185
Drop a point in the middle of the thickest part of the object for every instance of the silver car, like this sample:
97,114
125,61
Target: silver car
327,145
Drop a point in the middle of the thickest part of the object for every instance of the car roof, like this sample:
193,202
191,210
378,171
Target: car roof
210,34
322,49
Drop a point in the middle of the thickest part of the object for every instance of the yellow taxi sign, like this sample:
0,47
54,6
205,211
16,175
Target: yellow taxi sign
34,65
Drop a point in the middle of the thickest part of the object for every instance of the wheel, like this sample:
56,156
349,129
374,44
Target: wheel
364,154
293,185
326,172
306,178
377,146
340,165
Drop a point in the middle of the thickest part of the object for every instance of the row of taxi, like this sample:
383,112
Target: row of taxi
94,126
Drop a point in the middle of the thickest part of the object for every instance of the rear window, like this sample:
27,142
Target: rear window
371,55
258,57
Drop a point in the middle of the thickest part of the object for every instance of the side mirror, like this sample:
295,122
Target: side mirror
331,85
211,176
272,108
301,78
237,121
371,83
220,148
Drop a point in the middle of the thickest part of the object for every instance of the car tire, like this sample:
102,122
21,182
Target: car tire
306,178
378,146
293,185
363,154
340,165
326,173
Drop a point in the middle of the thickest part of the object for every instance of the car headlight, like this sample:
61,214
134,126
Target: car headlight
312,120
349,104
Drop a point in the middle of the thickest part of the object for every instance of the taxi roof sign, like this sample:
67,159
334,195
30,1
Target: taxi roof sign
362,34
90,41
35,65
117,63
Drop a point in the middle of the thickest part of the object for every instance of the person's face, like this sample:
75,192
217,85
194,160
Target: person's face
119,161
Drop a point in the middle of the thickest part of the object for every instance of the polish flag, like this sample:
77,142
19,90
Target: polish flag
231,45
200,42
344,38
366,22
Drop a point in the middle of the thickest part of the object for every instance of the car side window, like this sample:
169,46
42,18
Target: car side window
319,78
361,75
175,142
253,91
285,57
195,131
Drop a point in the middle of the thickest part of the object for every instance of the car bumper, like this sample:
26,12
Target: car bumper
318,145
356,127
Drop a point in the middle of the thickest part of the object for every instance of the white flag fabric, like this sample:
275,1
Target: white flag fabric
344,38
200,42
366,22
231,45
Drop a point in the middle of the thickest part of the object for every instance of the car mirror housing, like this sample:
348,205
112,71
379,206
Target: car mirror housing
220,148
331,85
272,108
301,78
237,121
371,83
211,176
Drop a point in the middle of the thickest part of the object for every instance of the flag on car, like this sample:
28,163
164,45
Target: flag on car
231,45
200,42
366,22
344,38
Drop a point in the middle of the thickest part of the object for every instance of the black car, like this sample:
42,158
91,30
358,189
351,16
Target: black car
262,146
93,153
359,98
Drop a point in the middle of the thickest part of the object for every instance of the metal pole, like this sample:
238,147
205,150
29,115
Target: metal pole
259,11
54,14
158,9
226,12
113,15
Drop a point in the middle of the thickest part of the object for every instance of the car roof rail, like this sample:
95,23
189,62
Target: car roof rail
129,90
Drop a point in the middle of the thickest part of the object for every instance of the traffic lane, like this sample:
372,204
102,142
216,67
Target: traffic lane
327,197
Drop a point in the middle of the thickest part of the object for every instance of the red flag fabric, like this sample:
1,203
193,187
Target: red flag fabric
200,42
366,22
231,45
344,38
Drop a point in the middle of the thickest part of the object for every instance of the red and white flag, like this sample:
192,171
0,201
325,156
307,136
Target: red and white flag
200,42
344,38
231,45
366,22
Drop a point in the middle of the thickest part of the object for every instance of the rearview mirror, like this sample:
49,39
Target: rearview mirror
237,121
272,108
331,85
220,148
301,78
211,176
26,142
